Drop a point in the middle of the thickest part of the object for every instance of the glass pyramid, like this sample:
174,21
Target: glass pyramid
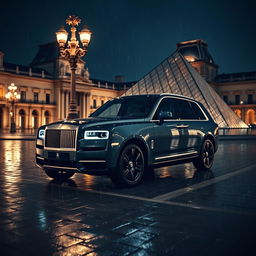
175,75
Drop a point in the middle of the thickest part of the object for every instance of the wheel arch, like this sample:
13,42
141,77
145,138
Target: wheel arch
140,143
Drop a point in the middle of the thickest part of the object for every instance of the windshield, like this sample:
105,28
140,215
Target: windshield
127,107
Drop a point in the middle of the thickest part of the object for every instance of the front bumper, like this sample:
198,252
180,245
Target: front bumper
79,161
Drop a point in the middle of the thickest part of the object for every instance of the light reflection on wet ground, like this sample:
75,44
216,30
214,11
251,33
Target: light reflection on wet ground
39,216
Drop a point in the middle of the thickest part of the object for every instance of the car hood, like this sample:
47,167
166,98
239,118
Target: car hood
92,122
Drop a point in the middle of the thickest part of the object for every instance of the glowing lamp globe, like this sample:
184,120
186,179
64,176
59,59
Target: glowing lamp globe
85,36
62,36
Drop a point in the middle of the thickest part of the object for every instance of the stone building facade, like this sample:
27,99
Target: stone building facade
44,86
45,90
238,90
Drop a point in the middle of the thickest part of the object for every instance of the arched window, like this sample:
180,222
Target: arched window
22,119
34,119
250,116
46,117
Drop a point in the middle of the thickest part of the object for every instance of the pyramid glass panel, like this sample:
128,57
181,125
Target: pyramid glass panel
175,75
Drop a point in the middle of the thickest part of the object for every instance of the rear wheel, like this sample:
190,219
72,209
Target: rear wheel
205,160
130,167
59,174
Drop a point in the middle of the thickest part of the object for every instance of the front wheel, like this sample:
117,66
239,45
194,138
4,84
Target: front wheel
206,157
59,174
130,167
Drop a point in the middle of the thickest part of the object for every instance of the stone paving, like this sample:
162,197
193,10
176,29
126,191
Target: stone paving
176,211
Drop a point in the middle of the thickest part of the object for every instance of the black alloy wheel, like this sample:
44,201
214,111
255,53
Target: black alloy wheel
59,174
205,160
130,167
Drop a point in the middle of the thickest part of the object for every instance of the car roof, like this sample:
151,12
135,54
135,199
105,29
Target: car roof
161,95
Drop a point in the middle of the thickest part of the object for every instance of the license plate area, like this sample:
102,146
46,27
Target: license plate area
60,156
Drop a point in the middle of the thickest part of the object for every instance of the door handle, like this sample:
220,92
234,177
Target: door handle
181,126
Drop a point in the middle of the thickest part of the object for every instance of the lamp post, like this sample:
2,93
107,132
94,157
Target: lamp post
72,51
12,96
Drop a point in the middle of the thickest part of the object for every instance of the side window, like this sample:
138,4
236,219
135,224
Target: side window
165,108
184,110
198,112
178,109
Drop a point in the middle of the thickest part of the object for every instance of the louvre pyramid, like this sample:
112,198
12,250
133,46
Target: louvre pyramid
175,75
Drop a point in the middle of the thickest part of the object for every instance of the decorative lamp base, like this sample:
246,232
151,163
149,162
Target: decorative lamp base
13,128
73,114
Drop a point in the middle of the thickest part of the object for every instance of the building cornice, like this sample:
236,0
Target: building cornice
4,73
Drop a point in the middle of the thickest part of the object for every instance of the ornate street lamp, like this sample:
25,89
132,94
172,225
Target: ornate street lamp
72,51
12,96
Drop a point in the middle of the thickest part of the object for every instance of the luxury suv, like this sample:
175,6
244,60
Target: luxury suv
127,137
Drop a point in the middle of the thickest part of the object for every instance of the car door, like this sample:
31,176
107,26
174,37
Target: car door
189,125
167,133
197,126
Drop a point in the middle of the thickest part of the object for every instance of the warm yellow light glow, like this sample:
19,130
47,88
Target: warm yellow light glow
12,95
12,87
62,35
85,36
8,95
190,58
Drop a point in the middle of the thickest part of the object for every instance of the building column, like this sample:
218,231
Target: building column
29,118
62,104
67,103
6,117
88,106
16,116
42,117
59,105
84,104
81,104
243,114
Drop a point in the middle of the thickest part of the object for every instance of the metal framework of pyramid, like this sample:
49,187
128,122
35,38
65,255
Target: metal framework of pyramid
175,75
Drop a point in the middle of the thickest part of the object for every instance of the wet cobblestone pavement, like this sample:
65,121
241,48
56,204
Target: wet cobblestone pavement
176,211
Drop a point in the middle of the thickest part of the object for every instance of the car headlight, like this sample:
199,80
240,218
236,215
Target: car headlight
41,134
92,135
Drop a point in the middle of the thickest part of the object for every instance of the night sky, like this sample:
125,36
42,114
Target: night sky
130,37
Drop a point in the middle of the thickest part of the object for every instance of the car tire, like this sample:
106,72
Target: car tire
130,167
206,157
59,174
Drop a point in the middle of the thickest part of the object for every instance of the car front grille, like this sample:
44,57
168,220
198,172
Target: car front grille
56,138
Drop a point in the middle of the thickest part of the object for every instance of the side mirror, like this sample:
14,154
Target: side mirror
163,115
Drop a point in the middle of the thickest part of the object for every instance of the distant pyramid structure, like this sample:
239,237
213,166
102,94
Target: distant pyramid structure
175,75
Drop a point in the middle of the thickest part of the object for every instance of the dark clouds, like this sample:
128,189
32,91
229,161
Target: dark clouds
131,37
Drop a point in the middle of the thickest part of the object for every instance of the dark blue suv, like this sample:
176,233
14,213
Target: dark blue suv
127,137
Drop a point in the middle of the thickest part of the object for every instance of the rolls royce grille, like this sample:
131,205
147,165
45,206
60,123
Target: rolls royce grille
60,138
